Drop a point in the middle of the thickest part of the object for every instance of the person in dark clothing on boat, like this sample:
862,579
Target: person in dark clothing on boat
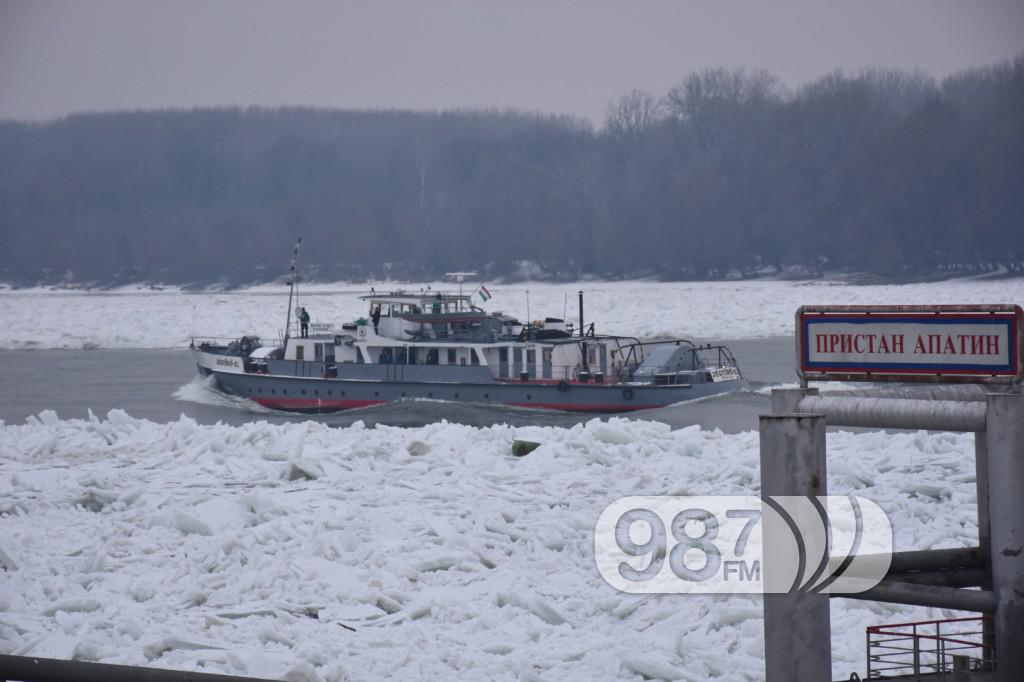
375,316
304,321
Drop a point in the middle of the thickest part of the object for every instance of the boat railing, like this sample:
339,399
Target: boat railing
947,649
224,342
702,357
212,341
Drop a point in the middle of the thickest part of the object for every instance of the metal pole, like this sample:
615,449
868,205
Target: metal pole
292,288
867,648
938,559
898,413
917,653
34,669
1004,442
960,577
896,592
797,628
988,636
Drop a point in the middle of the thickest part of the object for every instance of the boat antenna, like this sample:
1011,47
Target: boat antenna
293,283
565,305
527,307
460,277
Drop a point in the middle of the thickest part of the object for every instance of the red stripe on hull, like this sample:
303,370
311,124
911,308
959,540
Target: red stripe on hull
586,407
307,404
314,404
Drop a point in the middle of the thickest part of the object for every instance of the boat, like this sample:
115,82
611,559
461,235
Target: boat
440,345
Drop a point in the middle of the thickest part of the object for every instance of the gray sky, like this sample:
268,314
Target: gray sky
552,56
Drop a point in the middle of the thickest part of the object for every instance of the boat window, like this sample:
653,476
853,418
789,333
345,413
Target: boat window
300,352
474,359
318,351
451,356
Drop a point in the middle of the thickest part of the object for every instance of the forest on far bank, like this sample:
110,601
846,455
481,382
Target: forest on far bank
727,174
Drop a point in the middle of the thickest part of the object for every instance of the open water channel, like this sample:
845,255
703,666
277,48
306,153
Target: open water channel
160,385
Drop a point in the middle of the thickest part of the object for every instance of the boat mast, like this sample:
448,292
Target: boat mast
460,277
292,284
583,343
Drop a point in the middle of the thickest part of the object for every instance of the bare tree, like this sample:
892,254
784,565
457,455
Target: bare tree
714,102
632,115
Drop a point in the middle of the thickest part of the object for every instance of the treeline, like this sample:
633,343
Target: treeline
726,174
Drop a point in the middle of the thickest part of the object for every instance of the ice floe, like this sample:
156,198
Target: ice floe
316,553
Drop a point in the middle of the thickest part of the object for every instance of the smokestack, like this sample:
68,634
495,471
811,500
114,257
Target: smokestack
581,313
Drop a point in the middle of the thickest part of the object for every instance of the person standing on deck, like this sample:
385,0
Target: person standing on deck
304,322
375,316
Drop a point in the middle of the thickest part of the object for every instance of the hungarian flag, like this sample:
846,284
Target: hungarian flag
484,293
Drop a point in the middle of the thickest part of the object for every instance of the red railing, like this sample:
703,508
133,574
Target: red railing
935,648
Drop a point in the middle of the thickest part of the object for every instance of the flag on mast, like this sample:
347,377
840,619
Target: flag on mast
484,293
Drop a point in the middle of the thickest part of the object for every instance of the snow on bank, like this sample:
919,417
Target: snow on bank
427,553
129,318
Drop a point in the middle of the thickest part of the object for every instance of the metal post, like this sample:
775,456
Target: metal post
797,628
787,400
917,652
867,647
1004,442
984,540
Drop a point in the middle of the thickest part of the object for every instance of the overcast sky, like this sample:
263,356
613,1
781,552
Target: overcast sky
551,56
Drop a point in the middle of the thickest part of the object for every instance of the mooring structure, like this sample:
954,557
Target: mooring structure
987,578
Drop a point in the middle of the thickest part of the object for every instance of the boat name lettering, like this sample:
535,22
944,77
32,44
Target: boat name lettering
724,374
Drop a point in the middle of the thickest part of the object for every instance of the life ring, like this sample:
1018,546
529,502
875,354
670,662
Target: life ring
563,386
627,394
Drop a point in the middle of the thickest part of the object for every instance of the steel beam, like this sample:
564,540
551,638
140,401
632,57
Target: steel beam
897,413
896,592
960,577
1004,444
35,669
797,628
931,560
938,560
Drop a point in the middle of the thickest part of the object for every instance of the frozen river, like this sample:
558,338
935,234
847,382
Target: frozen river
175,527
